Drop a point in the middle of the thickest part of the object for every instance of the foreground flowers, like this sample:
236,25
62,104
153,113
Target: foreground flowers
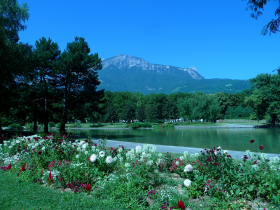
86,167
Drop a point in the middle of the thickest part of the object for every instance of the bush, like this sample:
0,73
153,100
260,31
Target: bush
51,124
140,125
15,126
57,125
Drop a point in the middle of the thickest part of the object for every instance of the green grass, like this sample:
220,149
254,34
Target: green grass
101,125
220,124
22,195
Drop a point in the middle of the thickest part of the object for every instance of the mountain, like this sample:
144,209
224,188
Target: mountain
129,73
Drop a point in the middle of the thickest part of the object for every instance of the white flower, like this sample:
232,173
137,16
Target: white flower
159,161
196,154
186,153
121,159
187,183
120,149
96,150
225,152
84,146
101,154
156,171
148,155
81,143
77,156
10,147
93,157
143,154
43,148
109,159
138,149
93,148
181,157
177,163
119,155
159,154
218,147
115,159
150,162
215,152
17,141
127,165
86,152
256,167
188,168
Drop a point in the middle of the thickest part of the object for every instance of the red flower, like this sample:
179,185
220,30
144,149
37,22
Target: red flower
50,175
23,168
9,166
50,179
261,147
181,204
39,152
88,188
252,141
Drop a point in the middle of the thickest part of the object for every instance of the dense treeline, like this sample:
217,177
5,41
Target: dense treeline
42,84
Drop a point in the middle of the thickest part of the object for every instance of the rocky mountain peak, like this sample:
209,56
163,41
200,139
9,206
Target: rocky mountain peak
122,60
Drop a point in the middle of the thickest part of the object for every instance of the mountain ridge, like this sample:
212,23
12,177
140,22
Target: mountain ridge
134,74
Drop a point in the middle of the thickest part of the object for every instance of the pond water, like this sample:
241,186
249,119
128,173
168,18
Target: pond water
229,139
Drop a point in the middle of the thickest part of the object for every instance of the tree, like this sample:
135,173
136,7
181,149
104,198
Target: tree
111,114
128,113
13,55
170,111
151,112
223,99
265,98
256,6
77,72
46,55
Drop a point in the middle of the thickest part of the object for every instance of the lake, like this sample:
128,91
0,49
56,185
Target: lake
229,139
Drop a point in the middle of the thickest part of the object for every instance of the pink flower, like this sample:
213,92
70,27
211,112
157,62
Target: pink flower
252,141
261,147
9,166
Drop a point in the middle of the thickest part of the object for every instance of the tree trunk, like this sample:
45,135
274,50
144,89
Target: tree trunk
64,117
35,117
46,120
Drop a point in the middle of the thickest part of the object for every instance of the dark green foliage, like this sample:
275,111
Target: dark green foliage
111,114
265,97
151,113
77,76
140,125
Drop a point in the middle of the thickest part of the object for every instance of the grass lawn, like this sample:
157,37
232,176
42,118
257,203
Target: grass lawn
23,195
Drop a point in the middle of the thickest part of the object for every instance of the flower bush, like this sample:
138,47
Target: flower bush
111,173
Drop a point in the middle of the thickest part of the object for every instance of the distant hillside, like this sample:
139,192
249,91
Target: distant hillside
129,73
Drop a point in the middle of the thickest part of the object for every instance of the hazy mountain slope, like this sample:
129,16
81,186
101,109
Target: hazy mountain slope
129,73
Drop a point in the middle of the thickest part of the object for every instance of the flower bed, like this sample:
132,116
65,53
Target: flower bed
141,177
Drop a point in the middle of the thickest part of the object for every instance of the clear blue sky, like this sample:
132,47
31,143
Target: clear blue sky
218,37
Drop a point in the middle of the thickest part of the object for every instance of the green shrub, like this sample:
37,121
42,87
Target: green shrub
140,125
15,126
57,125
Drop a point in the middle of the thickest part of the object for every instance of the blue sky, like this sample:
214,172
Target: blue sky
218,37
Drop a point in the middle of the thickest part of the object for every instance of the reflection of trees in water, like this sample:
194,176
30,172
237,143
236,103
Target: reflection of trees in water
230,139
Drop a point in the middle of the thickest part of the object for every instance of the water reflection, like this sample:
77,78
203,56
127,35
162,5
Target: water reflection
230,139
